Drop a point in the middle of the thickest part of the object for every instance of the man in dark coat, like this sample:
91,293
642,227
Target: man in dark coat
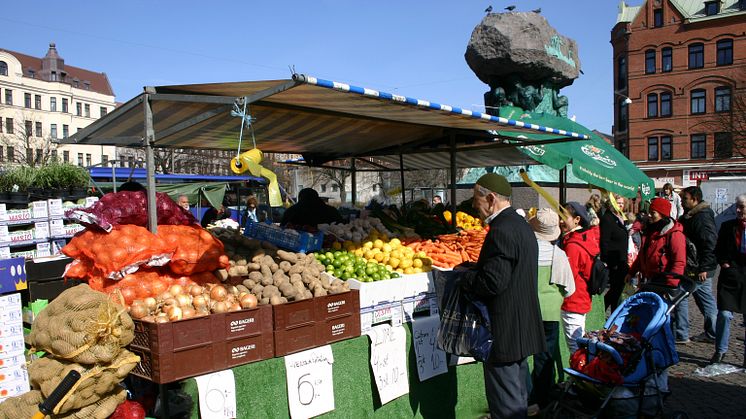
505,279
731,255
310,211
614,246
699,227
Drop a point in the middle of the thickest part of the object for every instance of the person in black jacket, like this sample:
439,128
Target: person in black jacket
699,227
310,211
730,252
505,279
614,246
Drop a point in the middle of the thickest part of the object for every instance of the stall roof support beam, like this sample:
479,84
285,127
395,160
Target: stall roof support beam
453,180
192,122
353,181
150,164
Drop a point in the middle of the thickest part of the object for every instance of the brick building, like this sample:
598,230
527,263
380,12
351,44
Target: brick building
677,65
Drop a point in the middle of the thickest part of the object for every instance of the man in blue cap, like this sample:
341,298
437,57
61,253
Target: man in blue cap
505,279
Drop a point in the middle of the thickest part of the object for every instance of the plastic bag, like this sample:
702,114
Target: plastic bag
197,250
130,208
464,323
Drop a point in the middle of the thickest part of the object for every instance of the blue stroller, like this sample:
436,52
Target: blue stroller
647,316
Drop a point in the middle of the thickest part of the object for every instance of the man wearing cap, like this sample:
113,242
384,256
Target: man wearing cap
505,279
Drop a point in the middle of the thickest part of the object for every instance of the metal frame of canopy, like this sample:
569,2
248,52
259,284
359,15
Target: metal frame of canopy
320,119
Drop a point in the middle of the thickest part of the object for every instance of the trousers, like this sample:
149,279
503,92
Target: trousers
505,387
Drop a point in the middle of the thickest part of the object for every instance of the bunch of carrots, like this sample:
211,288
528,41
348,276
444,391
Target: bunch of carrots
449,250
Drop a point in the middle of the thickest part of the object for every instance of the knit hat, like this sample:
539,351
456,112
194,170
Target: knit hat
545,224
580,210
496,183
662,206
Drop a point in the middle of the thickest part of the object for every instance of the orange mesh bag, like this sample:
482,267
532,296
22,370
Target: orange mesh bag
197,250
80,269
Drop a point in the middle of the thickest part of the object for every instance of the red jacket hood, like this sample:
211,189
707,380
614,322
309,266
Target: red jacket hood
589,239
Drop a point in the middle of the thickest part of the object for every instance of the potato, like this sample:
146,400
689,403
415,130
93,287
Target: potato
288,256
308,294
296,278
275,300
264,301
288,290
242,271
242,288
324,279
253,266
285,266
241,262
319,292
256,276
257,289
232,271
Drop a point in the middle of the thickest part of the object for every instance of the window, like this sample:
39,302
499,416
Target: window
8,97
722,99
37,101
53,76
1,154
666,104
652,105
650,61
725,52
39,156
9,128
31,73
657,18
27,100
666,59
53,104
698,101
1,124
121,161
723,145
621,73
78,109
64,105
323,188
88,160
29,155
29,128
131,161
76,83
696,56
712,7
698,146
652,148
87,110
104,111
3,68
87,85
66,156
11,153
741,4
335,188
623,116
666,148
65,131
38,129
104,160
54,155
80,159
53,131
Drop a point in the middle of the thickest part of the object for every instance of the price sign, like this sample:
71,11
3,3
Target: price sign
431,361
388,359
217,395
309,380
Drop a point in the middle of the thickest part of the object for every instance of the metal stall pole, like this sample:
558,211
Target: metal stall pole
563,185
401,177
353,180
114,175
453,180
150,163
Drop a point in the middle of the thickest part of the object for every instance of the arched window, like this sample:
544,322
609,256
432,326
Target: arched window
666,59
652,105
665,99
3,68
650,61
725,52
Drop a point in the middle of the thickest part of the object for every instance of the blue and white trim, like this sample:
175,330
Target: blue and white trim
347,88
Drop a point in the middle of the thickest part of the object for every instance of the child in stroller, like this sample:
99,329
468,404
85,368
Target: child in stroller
621,371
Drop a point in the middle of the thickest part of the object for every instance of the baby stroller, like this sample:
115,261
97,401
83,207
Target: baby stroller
628,360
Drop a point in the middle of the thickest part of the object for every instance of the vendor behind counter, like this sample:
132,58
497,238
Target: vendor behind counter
310,211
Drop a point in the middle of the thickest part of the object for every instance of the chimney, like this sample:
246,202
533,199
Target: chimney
52,65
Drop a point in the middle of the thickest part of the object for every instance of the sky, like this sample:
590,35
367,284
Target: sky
407,47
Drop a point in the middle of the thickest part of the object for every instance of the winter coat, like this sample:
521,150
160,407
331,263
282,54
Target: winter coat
699,227
505,279
614,240
662,251
581,247
731,287
677,210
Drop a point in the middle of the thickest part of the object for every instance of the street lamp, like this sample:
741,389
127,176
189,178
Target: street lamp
626,101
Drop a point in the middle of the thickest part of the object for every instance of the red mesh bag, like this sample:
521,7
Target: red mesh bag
80,269
130,208
120,252
148,282
197,250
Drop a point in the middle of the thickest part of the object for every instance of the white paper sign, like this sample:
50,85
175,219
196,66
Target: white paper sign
388,359
459,360
310,386
217,395
431,361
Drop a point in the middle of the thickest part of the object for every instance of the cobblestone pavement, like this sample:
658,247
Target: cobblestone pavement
722,396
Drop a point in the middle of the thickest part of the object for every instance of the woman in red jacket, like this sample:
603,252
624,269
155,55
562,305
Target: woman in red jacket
581,244
663,247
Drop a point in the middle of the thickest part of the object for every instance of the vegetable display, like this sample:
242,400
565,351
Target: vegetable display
391,253
448,251
356,230
463,220
346,265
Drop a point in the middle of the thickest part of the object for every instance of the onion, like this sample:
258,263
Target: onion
248,301
220,307
175,313
200,301
171,302
235,307
218,293
165,296
176,289
161,318
150,319
151,303
196,290
232,290
188,312
138,311
183,300
202,312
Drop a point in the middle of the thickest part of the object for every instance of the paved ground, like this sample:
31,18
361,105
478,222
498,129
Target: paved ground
722,396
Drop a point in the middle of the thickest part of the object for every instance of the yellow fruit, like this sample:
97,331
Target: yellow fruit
337,246
368,245
421,255
369,254
394,262
417,270
378,257
378,244
359,252
409,271
386,259
396,254
405,263
386,248
417,263
401,271
395,242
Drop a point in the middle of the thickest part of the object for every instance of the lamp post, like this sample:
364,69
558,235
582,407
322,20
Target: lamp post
626,101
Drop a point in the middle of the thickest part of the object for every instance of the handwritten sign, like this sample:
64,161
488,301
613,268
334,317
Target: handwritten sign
388,359
310,385
217,395
459,360
431,361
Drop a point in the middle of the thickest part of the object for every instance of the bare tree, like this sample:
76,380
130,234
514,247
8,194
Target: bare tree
729,125
336,177
24,142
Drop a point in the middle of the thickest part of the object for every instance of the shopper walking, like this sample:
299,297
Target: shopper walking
699,228
505,279
614,248
677,210
731,255
581,243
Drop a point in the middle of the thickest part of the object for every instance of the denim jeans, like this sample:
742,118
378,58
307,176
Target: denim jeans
706,304
723,332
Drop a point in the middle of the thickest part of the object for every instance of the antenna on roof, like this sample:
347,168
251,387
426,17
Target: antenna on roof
292,69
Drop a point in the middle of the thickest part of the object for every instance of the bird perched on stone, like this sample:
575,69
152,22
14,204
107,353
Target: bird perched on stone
488,9
510,8
537,10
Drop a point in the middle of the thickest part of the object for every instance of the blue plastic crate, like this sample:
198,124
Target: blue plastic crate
288,239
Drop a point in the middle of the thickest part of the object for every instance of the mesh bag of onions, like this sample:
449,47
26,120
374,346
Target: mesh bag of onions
115,254
83,326
197,250
27,404
95,384
130,208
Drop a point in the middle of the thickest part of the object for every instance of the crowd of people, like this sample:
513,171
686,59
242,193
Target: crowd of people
534,276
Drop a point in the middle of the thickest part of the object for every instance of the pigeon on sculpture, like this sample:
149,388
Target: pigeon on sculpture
488,9
510,8
537,10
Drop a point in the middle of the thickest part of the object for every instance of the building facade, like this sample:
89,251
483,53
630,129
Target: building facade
43,100
679,66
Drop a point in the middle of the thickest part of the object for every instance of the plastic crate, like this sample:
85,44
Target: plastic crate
289,239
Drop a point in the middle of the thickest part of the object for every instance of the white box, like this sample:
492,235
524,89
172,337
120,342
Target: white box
72,229
15,383
375,293
41,230
12,362
4,234
90,200
18,215
56,228
4,253
43,249
39,209
55,208
57,246
11,301
3,212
